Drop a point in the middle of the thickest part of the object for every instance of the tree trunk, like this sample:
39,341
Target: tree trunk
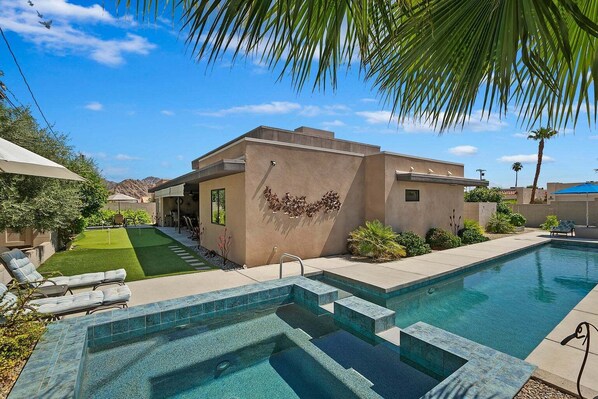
516,175
538,166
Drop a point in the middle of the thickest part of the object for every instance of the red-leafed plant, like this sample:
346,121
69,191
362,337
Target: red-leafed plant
224,241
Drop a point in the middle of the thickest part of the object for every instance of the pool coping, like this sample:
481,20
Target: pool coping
54,368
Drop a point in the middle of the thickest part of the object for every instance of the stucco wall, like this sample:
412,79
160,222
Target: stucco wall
234,186
233,152
306,172
479,211
564,210
436,202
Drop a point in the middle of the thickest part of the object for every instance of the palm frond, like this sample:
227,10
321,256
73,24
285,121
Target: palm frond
431,60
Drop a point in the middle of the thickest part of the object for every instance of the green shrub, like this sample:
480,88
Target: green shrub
483,194
414,244
139,216
499,223
470,224
518,220
551,221
20,330
441,239
470,236
376,241
503,208
102,217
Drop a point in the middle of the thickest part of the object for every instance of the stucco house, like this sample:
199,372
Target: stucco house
243,185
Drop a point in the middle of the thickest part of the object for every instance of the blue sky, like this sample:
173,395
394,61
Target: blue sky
131,95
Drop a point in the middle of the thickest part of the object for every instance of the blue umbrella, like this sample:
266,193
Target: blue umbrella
587,189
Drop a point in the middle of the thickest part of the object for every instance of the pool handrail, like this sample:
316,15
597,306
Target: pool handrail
295,257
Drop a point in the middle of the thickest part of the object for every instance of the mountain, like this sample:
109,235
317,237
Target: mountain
134,187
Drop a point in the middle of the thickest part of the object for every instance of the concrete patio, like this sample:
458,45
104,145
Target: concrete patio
557,364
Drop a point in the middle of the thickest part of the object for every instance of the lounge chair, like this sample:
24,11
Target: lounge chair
56,307
20,268
565,227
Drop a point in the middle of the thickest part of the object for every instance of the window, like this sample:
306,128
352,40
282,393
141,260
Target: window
218,207
412,195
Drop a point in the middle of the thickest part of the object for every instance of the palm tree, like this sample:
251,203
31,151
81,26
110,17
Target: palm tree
517,166
428,59
541,134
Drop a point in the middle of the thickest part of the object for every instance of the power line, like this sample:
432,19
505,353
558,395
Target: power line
26,83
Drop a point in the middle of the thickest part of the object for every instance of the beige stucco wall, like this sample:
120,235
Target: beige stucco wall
564,210
306,172
479,211
436,203
234,186
235,151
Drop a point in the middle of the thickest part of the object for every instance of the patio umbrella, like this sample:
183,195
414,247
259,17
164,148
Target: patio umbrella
17,160
587,189
118,198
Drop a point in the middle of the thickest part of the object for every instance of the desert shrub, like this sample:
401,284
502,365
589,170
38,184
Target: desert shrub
414,245
551,221
139,216
20,329
518,220
470,236
376,241
505,209
499,223
483,194
470,224
441,239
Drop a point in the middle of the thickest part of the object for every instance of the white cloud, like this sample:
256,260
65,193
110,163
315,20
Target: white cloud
125,157
531,158
520,135
280,107
476,123
334,123
377,117
165,164
167,112
271,108
180,157
463,150
111,171
69,33
97,155
368,100
94,106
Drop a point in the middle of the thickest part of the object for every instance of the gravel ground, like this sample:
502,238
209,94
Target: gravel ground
216,259
535,389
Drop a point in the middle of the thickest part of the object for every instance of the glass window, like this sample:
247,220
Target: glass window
218,207
411,195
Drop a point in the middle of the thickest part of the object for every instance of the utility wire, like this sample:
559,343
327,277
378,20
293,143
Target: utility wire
14,57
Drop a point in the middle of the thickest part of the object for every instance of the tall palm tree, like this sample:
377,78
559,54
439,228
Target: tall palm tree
429,59
541,134
517,166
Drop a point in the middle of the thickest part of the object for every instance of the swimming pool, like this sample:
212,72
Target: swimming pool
282,352
509,304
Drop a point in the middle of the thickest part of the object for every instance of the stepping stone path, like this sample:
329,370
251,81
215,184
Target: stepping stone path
190,259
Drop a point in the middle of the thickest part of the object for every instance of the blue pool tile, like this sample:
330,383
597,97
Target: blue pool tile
167,316
152,319
183,313
102,330
120,326
136,323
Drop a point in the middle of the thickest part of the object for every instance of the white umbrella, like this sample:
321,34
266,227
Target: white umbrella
18,160
121,198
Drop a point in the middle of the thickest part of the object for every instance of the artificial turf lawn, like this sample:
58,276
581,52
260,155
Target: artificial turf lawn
143,252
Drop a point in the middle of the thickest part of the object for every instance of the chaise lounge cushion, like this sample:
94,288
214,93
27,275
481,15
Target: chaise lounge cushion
119,293
68,303
20,266
7,299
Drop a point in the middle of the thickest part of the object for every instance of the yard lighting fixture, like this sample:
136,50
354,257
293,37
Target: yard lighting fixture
482,174
273,163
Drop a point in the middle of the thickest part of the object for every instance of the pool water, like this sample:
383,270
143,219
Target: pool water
509,305
285,352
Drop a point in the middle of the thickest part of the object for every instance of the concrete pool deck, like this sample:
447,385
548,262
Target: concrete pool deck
558,365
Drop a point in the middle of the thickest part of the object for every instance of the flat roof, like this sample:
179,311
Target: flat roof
221,168
430,178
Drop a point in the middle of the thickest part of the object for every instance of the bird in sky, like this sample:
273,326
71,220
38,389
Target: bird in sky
46,24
